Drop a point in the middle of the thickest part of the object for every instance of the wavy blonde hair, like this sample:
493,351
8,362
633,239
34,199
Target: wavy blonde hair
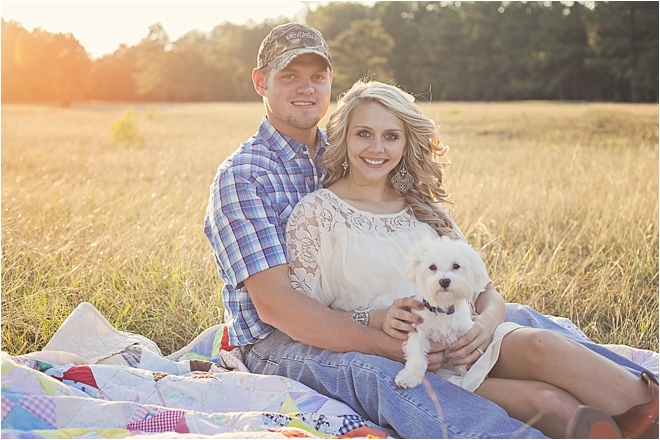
424,152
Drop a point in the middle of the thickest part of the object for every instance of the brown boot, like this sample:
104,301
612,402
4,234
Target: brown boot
641,421
589,422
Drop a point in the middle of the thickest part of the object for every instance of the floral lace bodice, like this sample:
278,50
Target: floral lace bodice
347,258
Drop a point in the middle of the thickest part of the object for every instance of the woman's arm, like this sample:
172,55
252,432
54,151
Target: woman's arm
491,308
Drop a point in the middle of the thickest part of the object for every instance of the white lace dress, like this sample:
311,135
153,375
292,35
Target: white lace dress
347,258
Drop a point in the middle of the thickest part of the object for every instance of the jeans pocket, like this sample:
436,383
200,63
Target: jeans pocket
263,357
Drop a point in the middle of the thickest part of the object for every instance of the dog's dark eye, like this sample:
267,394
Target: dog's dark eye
456,266
432,267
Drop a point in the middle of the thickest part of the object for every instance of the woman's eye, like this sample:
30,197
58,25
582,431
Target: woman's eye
364,133
391,136
433,267
456,266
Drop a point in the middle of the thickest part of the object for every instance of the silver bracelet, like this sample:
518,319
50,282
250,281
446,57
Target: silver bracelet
361,315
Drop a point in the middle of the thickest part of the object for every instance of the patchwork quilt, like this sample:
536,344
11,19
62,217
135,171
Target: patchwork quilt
94,381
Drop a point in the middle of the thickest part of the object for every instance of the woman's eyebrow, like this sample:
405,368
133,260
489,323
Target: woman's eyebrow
387,129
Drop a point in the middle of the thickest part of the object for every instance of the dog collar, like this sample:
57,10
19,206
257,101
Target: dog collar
437,310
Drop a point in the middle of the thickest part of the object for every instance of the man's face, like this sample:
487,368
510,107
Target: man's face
298,96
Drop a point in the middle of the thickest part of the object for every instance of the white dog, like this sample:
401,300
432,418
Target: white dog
449,273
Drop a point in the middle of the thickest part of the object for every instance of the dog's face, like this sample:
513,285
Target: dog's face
446,271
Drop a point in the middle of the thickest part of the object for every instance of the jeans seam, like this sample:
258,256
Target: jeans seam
383,378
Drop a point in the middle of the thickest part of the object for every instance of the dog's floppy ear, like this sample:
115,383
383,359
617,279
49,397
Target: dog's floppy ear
415,258
478,270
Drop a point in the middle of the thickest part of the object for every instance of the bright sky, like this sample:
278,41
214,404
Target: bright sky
100,26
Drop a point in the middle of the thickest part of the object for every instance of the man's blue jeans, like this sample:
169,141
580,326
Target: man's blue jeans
366,384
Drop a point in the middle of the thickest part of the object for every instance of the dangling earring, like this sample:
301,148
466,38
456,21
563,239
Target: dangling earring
344,165
402,180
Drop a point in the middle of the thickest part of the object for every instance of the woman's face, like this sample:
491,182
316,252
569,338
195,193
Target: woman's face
376,138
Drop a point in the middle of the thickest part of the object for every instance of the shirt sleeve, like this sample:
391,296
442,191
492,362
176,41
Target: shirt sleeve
243,226
304,246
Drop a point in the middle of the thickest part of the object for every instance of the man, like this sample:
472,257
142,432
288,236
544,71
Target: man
284,332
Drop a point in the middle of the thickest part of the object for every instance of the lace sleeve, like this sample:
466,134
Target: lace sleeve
303,245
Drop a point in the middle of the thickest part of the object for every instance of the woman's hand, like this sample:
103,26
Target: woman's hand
398,319
491,309
464,350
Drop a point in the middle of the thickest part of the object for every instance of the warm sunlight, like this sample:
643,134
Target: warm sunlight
102,26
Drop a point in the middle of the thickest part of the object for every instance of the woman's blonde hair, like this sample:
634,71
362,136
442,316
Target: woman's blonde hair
424,152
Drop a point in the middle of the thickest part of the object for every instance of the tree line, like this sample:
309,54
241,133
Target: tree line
486,51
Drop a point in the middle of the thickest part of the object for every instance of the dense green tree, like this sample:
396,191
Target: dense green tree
151,62
42,66
336,17
624,38
439,66
233,54
113,75
15,68
435,49
397,20
187,68
360,51
558,49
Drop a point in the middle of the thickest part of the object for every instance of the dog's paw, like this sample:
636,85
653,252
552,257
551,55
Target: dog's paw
406,379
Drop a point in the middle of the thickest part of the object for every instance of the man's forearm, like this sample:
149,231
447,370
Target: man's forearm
307,320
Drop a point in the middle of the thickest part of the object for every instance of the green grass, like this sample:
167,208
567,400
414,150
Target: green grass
561,198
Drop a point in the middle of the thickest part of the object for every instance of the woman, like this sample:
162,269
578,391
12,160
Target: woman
382,193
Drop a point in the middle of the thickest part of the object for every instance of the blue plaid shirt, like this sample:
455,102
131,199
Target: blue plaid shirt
252,196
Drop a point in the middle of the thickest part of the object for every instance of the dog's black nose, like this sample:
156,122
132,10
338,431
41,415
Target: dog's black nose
445,282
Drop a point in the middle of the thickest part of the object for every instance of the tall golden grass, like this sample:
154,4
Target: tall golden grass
561,198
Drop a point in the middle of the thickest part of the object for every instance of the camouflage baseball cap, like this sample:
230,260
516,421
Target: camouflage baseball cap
287,41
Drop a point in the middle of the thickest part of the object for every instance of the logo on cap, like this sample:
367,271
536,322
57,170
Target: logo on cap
300,34
286,42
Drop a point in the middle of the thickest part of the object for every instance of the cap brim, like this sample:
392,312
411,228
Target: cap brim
283,60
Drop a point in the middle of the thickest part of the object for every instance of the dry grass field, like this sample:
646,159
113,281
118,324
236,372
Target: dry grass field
562,198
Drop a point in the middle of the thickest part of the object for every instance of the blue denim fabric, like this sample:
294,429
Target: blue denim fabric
366,384
525,315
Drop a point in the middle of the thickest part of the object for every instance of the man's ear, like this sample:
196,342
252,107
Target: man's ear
258,81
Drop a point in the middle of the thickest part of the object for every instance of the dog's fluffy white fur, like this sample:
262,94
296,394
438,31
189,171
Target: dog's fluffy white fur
448,273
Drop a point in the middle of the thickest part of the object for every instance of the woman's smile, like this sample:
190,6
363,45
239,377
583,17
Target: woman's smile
374,162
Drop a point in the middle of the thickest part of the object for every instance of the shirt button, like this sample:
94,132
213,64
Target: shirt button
311,178
320,175
304,148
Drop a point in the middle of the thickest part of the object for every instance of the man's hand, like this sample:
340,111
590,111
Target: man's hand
393,350
436,356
